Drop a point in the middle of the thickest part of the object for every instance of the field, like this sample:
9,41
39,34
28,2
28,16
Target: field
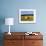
27,17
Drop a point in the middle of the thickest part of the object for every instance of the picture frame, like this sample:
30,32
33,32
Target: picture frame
27,15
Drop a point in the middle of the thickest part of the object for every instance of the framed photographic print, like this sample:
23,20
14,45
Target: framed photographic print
27,16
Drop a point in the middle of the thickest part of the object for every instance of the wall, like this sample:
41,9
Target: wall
10,8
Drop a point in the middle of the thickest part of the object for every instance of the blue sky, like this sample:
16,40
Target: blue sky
26,12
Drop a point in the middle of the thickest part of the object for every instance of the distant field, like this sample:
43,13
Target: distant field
28,17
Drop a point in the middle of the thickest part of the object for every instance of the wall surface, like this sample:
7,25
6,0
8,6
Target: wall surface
10,8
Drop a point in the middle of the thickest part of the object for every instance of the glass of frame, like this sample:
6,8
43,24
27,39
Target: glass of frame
27,16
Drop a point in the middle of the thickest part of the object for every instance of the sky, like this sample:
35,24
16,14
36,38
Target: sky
26,12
